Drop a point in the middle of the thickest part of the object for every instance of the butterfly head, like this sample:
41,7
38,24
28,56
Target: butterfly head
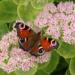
20,25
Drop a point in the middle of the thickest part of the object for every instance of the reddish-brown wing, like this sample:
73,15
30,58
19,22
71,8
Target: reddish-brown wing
23,30
43,45
25,34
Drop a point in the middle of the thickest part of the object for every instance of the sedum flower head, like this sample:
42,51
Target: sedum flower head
15,58
60,21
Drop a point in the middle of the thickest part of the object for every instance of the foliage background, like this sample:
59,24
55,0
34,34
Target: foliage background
61,63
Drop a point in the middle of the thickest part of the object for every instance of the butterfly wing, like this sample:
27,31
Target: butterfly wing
23,30
25,34
43,45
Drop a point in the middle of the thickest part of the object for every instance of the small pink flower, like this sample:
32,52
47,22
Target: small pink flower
53,30
69,34
10,66
3,55
19,55
52,21
12,36
69,7
8,39
71,18
27,65
66,7
4,44
44,58
50,8
74,9
60,17
61,7
41,20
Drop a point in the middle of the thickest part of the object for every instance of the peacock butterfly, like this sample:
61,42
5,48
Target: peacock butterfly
33,42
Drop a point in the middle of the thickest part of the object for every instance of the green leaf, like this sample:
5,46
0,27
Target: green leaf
40,72
62,65
44,65
32,71
50,66
5,73
27,12
52,63
67,72
66,50
51,1
72,66
68,60
8,11
10,25
38,4
21,2
3,29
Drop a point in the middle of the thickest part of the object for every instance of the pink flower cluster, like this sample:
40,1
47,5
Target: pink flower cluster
59,19
16,58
